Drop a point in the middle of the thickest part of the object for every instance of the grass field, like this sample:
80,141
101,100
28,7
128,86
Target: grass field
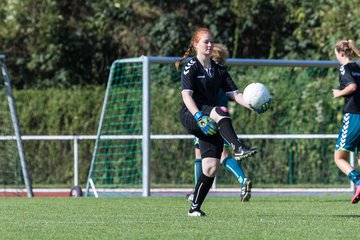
274,217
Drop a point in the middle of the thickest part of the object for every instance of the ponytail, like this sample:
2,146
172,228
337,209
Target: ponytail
354,48
348,47
186,55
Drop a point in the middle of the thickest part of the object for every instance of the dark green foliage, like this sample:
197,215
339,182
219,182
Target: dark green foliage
167,34
69,43
58,112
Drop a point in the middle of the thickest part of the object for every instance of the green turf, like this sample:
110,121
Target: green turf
315,217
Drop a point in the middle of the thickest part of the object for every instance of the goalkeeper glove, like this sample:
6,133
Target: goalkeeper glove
206,124
263,108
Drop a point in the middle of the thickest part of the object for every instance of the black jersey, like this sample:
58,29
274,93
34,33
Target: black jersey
350,73
206,85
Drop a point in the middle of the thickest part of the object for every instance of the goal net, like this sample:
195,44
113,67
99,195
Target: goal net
142,146
14,175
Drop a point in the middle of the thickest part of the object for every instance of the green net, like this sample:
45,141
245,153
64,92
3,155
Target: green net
302,103
117,162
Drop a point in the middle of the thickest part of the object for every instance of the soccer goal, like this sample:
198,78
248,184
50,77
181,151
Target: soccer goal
141,146
14,172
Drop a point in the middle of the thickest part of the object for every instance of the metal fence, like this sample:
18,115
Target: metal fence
77,138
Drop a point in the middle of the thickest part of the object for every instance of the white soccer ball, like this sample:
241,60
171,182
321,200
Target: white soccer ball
256,94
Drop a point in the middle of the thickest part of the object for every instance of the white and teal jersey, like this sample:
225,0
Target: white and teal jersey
349,135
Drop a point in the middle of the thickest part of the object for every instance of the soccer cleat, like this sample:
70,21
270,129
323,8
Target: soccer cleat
244,152
356,197
190,197
246,191
196,213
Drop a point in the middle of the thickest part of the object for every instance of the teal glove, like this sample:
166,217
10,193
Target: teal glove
206,124
263,108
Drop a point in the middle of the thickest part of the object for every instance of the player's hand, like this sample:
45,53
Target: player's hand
336,93
263,108
206,124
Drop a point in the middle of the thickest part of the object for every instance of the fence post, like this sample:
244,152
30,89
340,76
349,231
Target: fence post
146,128
76,161
291,165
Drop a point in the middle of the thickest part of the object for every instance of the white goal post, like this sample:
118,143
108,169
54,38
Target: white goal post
146,137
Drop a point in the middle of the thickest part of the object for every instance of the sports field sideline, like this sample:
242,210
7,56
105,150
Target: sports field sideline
176,192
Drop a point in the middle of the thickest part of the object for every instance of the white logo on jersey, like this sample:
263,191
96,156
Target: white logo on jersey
188,66
203,76
342,70
355,74
344,130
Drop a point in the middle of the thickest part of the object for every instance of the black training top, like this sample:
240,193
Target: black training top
206,85
350,73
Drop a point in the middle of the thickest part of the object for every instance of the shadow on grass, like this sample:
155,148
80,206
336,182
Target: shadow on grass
336,200
347,216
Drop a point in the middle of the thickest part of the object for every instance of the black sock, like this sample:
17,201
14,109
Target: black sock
228,133
201,190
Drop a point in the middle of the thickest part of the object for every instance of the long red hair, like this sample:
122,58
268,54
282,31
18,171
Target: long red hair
191,49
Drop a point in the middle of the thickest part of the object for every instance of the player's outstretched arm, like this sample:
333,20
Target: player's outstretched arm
238,97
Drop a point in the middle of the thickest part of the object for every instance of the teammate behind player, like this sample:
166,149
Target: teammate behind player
349,88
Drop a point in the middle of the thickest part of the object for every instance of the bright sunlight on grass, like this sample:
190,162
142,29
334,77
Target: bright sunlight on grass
274,217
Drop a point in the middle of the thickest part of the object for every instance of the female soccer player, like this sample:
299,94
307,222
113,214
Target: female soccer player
201,80
349,136
219,54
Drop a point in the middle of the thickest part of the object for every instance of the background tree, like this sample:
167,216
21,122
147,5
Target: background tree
72,43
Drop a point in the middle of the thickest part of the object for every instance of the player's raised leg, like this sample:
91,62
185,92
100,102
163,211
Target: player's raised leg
226,130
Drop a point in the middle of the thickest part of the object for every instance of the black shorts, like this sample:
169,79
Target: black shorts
210,146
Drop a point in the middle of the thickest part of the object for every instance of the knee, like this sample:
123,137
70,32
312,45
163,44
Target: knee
340,156
219,113
212,171
222,111
210,167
